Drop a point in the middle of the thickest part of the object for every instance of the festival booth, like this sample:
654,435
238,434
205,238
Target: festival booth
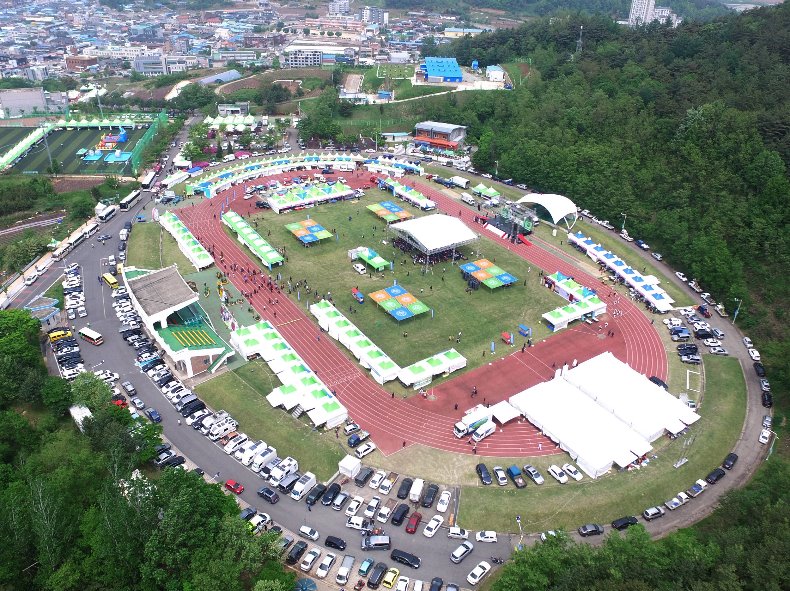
487,273
398,303
301,196
308,231
21,148
187,243
487,192
389,212
252,240
377,167
301,389
370,257
583,302
422,372
408,194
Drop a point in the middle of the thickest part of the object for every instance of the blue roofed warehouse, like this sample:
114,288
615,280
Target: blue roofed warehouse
441,69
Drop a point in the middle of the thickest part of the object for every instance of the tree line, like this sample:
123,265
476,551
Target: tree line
684,130
80,510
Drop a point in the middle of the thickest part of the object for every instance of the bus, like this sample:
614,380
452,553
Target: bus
77,240
107,213
91,229
61,252
110,280
148,180
90,335
129,201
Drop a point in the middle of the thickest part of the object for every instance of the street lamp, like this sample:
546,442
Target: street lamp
738,309
496,168
625,217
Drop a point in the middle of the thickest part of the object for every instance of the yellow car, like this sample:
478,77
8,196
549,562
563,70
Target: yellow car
390,578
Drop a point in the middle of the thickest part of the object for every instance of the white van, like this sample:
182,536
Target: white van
468,199
304,486
228,157
484,431
288,466
262,458
415,493
235,443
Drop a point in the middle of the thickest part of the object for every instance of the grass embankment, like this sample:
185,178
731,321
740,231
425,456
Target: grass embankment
147,252
242,393
480,316
554,506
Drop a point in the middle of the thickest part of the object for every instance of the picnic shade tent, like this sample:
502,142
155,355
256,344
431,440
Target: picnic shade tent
252,240
187,244
398,303
372,259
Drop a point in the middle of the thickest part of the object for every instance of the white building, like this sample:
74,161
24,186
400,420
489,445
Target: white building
298,55
645,11
119,52
339,7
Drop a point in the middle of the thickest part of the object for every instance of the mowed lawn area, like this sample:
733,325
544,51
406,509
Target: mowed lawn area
242,393
480,316
555,506
395,71
145,250
11,136
63,146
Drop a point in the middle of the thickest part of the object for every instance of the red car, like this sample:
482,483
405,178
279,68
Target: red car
414,523
234,487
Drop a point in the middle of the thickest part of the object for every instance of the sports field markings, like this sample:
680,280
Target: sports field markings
697,381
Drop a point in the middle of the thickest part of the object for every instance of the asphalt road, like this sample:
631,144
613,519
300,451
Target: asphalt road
116,355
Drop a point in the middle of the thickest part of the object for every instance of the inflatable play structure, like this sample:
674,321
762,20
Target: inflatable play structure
110,141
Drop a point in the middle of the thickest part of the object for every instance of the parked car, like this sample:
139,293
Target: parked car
433,526
484,474
461,552
234,487
500,475
478,572
533,473
558,474
571,471
652,513
413,523
487,537
590,529
624,522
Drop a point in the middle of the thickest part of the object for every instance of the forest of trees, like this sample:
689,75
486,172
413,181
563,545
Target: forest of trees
73,517
685,130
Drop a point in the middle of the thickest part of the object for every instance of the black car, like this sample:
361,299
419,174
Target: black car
404,488
768,400
121,246
161,447
296,552
399,514
729,461
591,529
268,494
173,461
193,407
363,476
315,494
165,379
376,575
436,584
624,523
430,495
330,494
688,349
484,474
715,476
261,204
335,542
759,369
248,513
659,382
406,558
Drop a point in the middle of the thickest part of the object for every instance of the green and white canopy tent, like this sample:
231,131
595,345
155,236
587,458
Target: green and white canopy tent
423,371
187,243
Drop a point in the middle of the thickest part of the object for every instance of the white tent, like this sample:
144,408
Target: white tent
435,233
504,412
647,408
558,206
349,466
592,436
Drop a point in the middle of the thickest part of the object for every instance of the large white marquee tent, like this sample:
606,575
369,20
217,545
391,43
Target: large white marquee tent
434,233
558,206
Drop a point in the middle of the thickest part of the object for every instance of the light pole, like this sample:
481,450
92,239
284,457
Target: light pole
625,217
520,530
737,309
496,168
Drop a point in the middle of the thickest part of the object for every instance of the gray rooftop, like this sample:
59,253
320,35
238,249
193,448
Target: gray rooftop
161,290
440,127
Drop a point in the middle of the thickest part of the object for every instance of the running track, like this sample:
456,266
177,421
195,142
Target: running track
429,421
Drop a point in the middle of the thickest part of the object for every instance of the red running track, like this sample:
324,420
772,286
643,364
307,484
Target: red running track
427,421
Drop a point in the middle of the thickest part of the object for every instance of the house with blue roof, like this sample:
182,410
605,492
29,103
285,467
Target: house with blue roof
441,69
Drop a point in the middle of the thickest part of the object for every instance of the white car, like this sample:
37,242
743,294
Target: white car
765,436
571,471
485,175
488,536
457,533
309,559
31,279
326,564
107,375
354,506
308,532
747,342
478,572
712,343
82,312
403,584
370,151
372,507
754,354
359,268
258,522
718,351
558,474
547,535
681,276
377,478
433,526
365,449
444,501
359,523
673,322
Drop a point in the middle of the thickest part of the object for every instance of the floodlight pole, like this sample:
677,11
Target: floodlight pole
625,217
738,309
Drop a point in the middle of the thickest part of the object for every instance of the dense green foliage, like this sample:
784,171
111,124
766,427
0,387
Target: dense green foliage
684,130
75,515
618,9
740,547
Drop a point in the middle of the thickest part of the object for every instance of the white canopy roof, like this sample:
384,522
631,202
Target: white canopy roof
437,232
642,405
558,206
504,412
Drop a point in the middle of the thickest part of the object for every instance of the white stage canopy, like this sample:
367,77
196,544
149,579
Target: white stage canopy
434,233
558,206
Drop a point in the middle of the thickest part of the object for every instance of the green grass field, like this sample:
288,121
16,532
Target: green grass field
555,506
63,146
146,251
481,316
242,393
11,136
395,71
